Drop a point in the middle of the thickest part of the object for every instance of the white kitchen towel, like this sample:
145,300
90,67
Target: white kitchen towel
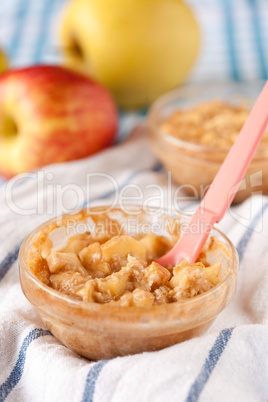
228,363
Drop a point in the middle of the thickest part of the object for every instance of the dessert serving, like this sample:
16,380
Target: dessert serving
102,293
213,123
192,130
121,270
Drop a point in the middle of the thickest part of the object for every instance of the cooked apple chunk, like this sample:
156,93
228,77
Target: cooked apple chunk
138,298
87,292
115,284
122,246
155,246
46,247
91,258
214,274
76,243
156,275
103,290
189,280
69,282
65,261
142,298
122,270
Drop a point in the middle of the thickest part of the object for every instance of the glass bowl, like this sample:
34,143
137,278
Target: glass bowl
193,165
103,331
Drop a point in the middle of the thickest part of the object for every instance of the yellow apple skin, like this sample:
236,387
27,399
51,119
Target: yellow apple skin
137,48
49,114
3,62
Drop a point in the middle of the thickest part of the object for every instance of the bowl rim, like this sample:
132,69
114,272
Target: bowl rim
130,310
172,95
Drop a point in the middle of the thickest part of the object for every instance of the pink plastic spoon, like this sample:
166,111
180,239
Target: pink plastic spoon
224,186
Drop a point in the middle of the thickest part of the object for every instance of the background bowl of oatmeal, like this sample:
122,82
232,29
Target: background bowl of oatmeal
192,129
106,330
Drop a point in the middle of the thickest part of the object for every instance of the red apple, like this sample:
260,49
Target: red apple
50,114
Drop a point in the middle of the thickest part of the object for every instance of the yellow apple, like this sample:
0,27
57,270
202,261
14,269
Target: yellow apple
137,48
3,62
50,114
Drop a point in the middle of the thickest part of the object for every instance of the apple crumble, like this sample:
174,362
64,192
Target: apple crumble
119,269
215,123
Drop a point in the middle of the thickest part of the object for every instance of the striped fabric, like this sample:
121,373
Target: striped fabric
234,36
235,39
229,362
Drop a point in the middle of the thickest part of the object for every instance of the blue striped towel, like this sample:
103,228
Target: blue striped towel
234,36
228,363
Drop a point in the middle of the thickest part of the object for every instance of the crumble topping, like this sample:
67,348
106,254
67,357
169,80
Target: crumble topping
121,270
215,123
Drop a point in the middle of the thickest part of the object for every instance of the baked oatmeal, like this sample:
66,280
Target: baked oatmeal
110,264
214,123
119,269
193,142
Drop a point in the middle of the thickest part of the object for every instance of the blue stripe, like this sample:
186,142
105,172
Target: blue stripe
258,38
241,247
17,371
91,381
9,260
3,180
140,112
191,204
209,365
143,112
158,167
225,335
43,29
23,9
229,28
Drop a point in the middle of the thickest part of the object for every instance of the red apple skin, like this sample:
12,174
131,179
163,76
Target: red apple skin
60,116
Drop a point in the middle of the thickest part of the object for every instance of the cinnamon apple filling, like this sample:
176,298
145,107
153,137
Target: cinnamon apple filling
214,123
120,269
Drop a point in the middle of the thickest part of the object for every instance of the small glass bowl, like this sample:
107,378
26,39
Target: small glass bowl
194,166
103,331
